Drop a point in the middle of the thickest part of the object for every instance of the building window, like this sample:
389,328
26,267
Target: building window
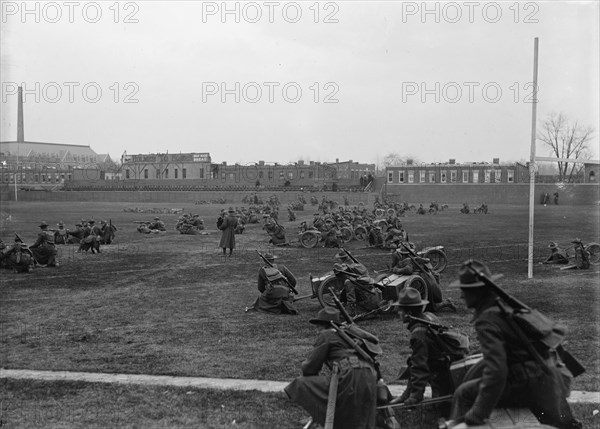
443,176
401,176
465,175
223,176
290,175
145,173
127,174
201,171
176,173
422,176
270,175
311,174
166,173
231,176
184,173
302,174
475,176
281,176
453,176
157,173
260,174
390,177
432,177
411,177
510,176
488,174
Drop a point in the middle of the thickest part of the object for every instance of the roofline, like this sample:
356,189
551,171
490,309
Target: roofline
53,144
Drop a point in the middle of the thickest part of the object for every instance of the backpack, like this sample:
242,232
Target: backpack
274,277
454,345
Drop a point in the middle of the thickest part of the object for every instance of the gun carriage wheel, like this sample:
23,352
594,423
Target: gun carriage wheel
360,233
309,239
438,259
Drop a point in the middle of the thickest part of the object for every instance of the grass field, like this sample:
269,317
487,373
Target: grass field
169,304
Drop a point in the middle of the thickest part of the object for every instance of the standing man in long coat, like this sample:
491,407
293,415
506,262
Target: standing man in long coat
228,227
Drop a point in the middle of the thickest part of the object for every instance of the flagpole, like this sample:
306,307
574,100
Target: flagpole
532,165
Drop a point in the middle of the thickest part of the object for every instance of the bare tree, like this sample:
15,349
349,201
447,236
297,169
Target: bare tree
394,159
566,140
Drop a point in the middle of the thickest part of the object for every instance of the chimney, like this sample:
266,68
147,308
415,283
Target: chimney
452,161
20,129
496,161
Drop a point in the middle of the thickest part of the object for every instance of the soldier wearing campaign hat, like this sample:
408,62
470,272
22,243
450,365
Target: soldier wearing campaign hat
356,398
274,281
557,255
511,374
427,363
43,249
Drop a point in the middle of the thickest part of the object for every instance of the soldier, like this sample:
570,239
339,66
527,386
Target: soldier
274,286
361,295
77,235
557,255
197,222
375,237
332,238
403,264
427,363
421,210
91,239
44,251
228,237
61,235
511,375
465,209
357,385
17,256
157,225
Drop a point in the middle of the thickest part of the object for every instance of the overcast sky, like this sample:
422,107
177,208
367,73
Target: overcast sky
366,79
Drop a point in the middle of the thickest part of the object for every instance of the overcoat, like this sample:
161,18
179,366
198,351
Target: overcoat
228,228
357,391
511,377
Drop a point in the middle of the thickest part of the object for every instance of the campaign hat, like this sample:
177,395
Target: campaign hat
270,256
466,277
44,224
553,245
326,315
410,297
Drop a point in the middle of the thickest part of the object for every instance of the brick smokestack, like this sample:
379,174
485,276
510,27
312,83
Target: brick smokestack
20,127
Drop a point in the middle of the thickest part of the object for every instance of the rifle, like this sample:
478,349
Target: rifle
412,255
332,396
350,255
433,325
293,289
535,320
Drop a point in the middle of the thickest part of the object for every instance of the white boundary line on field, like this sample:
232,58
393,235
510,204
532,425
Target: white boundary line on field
203,382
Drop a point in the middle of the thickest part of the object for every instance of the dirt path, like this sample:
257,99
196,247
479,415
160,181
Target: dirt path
201,382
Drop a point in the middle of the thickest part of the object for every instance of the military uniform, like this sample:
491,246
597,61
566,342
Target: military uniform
511,377
61,235
275,295
228,236
44,251
427,363
357,393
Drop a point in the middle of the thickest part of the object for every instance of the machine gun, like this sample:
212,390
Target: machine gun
292,288
413,257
